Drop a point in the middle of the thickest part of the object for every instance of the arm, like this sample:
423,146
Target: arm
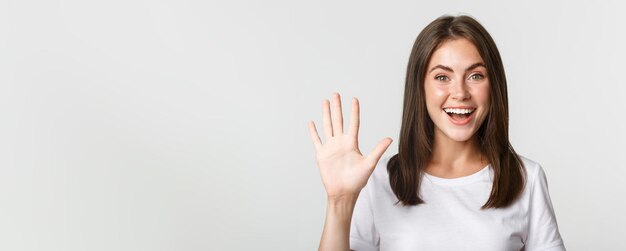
336,234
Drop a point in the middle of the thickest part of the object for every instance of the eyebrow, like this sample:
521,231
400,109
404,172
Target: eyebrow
446,68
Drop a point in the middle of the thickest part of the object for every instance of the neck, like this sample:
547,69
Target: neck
454,155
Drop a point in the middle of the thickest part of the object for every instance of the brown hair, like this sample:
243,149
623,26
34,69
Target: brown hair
406,168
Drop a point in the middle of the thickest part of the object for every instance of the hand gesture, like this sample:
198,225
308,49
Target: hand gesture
343,168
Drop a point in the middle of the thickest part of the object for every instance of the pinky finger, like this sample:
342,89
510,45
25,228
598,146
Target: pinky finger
317,142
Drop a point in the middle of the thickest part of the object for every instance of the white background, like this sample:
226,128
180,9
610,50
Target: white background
182,125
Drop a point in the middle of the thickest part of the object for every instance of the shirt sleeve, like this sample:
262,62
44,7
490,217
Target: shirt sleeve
363,233
543,232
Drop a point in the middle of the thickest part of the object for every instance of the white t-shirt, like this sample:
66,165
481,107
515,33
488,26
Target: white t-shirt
451,218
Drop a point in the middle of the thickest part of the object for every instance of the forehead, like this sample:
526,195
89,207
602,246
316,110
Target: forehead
455,53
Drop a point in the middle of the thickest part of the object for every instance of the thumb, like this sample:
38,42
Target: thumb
378,151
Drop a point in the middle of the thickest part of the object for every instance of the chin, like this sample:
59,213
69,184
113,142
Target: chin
460,135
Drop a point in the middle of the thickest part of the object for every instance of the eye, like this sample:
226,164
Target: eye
476,76
441,77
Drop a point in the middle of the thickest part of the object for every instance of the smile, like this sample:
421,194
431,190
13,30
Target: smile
460,116
459,110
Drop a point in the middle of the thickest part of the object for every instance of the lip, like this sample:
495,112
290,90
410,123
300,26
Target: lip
460,122
459,107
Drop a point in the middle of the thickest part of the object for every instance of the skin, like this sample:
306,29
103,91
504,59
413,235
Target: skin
456,77
344,169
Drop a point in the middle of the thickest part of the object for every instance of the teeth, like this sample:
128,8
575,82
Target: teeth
458,111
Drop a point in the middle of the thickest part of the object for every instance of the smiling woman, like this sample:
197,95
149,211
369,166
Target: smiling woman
456,182
457,90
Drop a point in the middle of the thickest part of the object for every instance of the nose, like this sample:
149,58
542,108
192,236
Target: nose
459,91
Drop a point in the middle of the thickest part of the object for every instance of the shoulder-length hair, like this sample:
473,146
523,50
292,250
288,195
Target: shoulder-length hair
406,169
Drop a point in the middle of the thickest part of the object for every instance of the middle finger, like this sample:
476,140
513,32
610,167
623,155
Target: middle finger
337,115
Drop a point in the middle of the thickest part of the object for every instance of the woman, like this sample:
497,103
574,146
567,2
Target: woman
456,182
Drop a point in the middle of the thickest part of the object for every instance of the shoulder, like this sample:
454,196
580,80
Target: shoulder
534,171
531,166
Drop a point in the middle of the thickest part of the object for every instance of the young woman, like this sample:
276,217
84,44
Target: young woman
456,182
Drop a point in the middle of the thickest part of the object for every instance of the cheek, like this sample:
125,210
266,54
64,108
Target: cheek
435,93
481,95
435,96
482,98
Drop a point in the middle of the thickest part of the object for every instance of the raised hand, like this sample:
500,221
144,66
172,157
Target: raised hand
343,168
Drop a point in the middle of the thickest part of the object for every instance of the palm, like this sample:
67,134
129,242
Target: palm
343,168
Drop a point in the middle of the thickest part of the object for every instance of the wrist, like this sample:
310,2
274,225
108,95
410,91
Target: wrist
342,200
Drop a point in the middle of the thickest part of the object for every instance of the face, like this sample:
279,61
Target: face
456,90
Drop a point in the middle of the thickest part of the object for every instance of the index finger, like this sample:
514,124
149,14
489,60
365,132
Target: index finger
355,118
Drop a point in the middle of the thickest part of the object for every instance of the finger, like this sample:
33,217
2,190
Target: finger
317,142
378,151
337,115
354,119
328,127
